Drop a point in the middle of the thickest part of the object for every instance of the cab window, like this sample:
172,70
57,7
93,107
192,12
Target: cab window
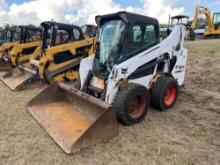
142,36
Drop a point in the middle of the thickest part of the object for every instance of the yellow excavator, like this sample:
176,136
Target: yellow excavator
62,48
213,23
12,39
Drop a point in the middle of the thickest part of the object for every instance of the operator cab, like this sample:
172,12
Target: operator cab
216,20
23,34
175,20
13,34
30,33
180,20
55,33
122,36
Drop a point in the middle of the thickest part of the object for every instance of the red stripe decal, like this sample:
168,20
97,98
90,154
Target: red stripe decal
150,51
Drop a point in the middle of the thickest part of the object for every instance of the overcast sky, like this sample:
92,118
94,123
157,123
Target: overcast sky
83,11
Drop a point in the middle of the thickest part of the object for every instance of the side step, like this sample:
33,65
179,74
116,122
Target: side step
17,79
72,118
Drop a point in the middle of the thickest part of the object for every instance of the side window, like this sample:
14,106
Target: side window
76,34
141,36
150,35
33,35
137,33
61,37
16,36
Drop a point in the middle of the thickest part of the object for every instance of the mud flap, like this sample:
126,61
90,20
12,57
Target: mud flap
17,79
5,65
72,118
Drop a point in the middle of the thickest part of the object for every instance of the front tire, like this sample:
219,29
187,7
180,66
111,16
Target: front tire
164,93
132,103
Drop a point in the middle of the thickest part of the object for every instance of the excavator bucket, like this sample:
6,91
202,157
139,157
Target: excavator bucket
17,78
5,65
72,118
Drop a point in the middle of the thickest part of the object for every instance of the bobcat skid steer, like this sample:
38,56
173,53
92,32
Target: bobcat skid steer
130,68
62,47
12,39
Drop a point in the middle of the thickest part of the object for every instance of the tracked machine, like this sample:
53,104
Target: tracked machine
12,39
130,69
26,41
62,48
30,45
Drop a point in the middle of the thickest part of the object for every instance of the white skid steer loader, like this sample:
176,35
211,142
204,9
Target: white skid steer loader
130,69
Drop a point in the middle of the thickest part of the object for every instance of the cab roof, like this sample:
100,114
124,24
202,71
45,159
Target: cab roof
60,25
180,17
28,27
126,17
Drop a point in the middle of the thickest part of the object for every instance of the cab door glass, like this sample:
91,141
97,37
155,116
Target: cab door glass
33,35
142,37
216,20
149,35
76,34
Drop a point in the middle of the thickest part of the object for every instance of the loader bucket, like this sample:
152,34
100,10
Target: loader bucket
16,79
72,118
5,65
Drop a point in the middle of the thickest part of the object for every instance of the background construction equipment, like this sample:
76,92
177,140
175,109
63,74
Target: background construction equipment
62,48
213,23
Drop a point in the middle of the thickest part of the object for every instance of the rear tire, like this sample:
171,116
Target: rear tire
132,103
164,93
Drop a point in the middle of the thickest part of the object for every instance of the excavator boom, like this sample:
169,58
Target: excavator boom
212,31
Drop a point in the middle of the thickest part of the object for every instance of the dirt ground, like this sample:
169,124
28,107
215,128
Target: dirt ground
187,134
